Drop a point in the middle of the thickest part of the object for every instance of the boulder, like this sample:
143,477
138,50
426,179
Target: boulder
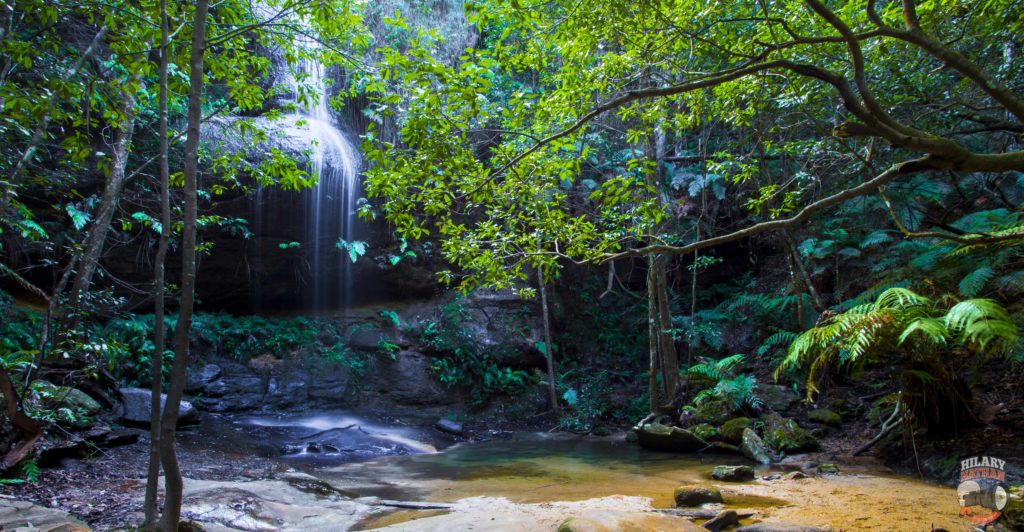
199,379
825,416
785,435
451,427
794,475
54,396
738,473
778,397
755,449
714,412
23,515
732,431
828,469
695,495
658,437
408,380
723,520
136,407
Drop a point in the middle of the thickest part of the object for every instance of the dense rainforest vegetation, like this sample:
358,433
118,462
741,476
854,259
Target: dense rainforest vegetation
703,204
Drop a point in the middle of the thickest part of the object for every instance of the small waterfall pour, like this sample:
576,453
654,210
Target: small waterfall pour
330,206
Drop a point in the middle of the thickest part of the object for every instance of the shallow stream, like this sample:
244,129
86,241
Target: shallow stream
526,480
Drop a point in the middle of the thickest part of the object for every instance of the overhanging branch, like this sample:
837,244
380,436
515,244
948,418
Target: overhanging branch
897,170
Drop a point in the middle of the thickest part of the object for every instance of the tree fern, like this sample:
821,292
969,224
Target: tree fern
903,323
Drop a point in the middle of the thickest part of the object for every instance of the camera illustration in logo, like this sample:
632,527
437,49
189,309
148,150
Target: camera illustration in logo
983,497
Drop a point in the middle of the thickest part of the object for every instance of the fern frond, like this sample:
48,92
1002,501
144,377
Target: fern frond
897,297
875,237
973,283
934,329
969,311
729,363
1011,284
1001,336
775,340
706,371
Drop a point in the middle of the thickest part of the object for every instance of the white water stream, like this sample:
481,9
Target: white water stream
329,208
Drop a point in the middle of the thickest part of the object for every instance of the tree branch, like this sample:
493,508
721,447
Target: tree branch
866,187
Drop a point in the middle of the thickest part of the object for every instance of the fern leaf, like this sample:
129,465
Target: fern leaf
899,298
1011,284
934,329
973,283
729,363
874,238
775,340
969,311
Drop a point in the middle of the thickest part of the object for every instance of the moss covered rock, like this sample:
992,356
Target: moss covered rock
824,415
828,469
755,449
732,431
694,495
705,431
786,436
778,397
80,407
713,412
738,473
660,437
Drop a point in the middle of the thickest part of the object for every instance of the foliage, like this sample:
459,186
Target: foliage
28,471
736,389
902,325
460,360
19,333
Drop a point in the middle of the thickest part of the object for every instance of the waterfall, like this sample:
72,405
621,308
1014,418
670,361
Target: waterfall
329,207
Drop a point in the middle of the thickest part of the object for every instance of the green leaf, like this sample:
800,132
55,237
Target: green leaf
79,219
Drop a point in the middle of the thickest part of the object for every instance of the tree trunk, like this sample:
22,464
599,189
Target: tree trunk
819,306
693,315
168,422
549,348
97,236
669,356
156,362
796,292
652,338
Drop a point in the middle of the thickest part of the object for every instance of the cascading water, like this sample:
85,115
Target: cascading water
330,206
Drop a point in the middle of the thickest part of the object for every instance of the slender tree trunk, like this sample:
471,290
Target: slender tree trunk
168,422
549,348
797,292
669,356
97,236
693,315
819,306
156,363
652,336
